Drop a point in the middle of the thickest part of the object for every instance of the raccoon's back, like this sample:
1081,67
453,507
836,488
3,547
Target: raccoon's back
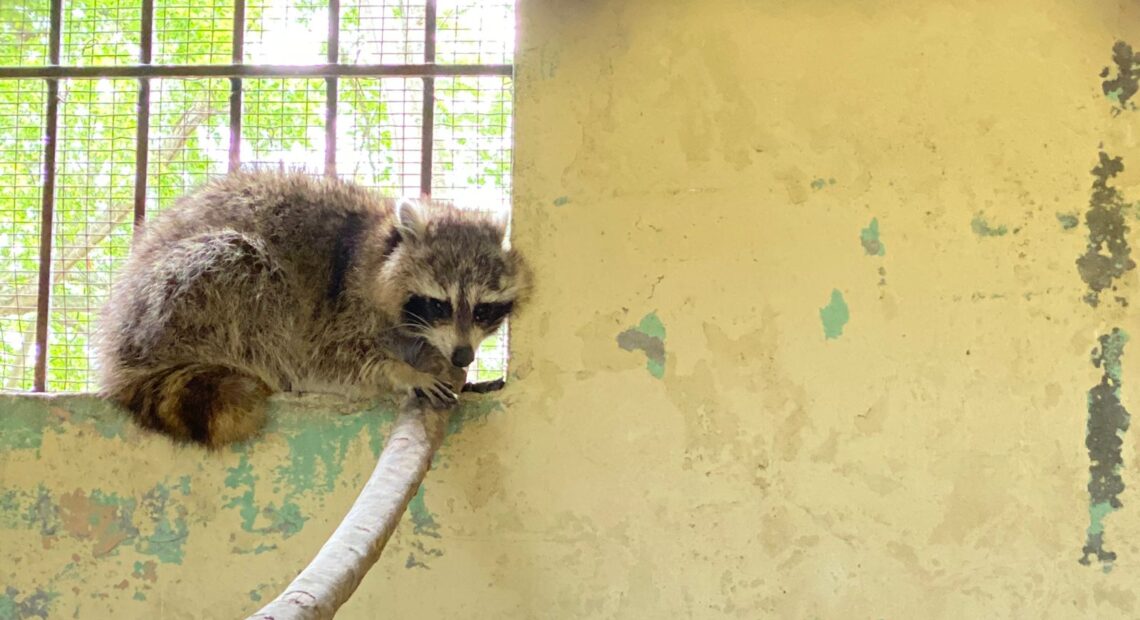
258,236
297,216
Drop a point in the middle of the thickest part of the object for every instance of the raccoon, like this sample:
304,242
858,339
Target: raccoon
263,282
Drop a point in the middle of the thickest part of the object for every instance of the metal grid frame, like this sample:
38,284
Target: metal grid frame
78,59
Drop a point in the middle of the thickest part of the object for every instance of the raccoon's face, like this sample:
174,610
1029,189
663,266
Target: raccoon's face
458,283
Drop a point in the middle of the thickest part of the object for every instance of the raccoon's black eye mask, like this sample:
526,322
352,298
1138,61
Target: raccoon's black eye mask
491,313
426,310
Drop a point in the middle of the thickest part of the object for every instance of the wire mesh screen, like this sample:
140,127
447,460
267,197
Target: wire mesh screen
189,137
101,32
286,31
475,32
21,180
201,115
382,31
379,133
193,31
23,33
95,180
283,124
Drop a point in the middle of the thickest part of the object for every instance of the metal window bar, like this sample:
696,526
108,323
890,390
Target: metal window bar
81,47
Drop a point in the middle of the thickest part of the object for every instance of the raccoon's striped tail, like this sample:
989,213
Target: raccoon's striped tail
209,404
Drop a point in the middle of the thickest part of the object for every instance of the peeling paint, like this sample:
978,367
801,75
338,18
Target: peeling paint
152,524
1123,87
648,337
422,520
1107,233
983,228
1108,420
147,571
869,239
285,520
35,605
22,425
103,518
318,447
561,201
1068,221
471,410
169,522
423,524
818,183
423,551
834,316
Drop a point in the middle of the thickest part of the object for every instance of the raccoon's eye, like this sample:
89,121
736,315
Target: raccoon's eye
439,309
426,310
491,313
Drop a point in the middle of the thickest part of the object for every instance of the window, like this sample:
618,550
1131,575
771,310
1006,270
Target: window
111,109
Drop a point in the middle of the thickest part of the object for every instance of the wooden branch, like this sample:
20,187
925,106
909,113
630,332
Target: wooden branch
338,568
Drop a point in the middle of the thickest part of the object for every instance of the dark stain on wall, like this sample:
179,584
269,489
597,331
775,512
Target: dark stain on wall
1108,256
1107,422
648,337
1124,86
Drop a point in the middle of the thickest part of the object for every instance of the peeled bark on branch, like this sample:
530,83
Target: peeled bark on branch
338,568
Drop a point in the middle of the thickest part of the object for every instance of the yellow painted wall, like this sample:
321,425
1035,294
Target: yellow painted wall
810,341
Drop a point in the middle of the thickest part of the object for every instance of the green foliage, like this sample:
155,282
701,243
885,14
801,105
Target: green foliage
283,124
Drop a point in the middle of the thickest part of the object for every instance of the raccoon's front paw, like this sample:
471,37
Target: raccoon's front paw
437,393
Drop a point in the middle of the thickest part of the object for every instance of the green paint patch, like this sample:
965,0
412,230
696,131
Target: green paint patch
254,595
561,201
22,423
166,543
471,411
869,239
834,316
139,596
422,520
237,477
1068,221
648,337
318,446
818,183
166,522
1097,513
983,228
285,520
8,605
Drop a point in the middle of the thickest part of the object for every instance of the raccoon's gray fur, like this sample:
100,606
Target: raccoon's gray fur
262,282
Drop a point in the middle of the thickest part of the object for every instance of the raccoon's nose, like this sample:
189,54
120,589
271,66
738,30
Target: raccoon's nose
462,356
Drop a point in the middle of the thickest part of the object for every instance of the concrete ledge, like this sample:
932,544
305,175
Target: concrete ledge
118,517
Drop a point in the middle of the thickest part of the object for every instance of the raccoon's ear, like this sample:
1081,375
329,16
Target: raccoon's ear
410,219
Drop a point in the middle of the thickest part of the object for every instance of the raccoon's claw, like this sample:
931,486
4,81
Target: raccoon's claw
439,395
